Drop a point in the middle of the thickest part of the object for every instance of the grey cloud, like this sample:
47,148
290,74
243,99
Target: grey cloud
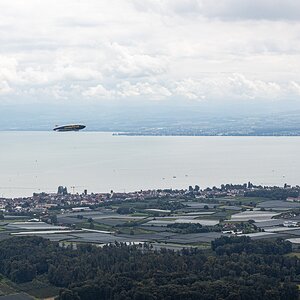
251,9
226,9
78,22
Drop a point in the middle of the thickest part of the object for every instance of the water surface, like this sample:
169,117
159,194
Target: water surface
100,162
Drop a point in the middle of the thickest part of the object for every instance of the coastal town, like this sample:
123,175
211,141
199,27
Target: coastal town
42,203
164,218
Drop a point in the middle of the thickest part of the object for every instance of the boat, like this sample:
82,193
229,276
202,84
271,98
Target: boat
69,127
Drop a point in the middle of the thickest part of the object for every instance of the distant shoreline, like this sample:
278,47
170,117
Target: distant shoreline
116,133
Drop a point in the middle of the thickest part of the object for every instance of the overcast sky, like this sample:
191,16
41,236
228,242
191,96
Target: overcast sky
149,50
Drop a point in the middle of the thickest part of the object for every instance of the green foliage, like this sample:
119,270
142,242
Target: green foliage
53,219
125,210
231,245
239,268
130,206
193,228
274,193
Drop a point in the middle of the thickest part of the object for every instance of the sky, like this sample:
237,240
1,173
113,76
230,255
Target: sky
160,51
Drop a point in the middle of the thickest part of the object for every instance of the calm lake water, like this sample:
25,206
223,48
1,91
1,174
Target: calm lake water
100,162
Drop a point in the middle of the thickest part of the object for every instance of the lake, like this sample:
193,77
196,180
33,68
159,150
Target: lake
100,162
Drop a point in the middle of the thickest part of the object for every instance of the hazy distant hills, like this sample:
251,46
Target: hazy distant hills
153,119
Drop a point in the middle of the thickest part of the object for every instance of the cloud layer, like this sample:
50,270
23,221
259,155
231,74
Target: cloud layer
193,50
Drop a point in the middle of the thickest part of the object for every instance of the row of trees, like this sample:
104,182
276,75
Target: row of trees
274,193
193,228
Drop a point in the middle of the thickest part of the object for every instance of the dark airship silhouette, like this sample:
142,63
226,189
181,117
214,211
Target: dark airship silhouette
70,127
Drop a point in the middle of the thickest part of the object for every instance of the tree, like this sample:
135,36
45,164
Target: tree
65,294
22,271
125,210
53,219
235,268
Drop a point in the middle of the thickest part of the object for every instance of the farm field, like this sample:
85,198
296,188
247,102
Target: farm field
167,223
186,223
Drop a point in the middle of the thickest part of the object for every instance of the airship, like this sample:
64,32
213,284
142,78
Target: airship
69,127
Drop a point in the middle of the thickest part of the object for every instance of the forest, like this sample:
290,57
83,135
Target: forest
234,268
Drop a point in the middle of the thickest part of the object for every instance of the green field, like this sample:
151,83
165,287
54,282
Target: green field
5,289
38,288
97,226
293,254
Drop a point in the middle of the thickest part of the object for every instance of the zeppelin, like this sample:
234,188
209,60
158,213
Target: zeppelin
70,127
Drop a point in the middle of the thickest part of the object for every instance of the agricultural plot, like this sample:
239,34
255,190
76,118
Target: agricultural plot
12,217
257,216
55,237
62,219
280,229
111,222
161,236
166,222
32,226
270,223
190,217
295,240
198,205
162,223
231,207
193,238
203,222
257,235
97,238
117,217
278,205
244,200
200,213
158,210
295,232
143,237
153,228
18,296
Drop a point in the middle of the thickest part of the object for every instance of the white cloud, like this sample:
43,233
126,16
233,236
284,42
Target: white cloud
5,88
98,91
127,90
294,88
132,62
199,50
225,87
232,87
8,68
189,89
153,91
